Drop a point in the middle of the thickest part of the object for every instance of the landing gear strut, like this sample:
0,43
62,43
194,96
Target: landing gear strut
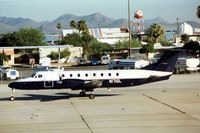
12,97
82,93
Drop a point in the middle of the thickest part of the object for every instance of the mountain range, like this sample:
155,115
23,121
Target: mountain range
95,20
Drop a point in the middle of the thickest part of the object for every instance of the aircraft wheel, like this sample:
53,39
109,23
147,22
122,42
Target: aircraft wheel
12,98
82,93
91,96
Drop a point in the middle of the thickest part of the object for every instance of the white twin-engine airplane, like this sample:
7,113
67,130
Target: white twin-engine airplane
88,80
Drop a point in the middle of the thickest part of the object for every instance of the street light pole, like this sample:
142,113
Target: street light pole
177,23
129,26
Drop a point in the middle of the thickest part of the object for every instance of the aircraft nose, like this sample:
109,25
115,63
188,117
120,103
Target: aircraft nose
11,85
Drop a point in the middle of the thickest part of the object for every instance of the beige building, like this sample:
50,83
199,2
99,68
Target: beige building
10,53
75,52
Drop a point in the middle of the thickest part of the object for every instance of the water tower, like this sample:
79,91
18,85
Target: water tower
139,22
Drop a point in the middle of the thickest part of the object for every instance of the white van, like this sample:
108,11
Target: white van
8,73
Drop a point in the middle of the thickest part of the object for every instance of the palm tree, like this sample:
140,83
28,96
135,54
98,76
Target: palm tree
198,12
156,31
82,26
59,27
73,24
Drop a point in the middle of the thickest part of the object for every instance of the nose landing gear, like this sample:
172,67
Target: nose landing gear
12,97
91,96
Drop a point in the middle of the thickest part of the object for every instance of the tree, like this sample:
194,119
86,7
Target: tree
124,44
198,12
23,37
98,48
63,54
3,58
82,27
184,38
83,38
73,39
73,24
10,39
155,32
53,55
59,26
165,42
149,48
192,46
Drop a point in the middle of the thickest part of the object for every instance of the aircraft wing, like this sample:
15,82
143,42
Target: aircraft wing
81,84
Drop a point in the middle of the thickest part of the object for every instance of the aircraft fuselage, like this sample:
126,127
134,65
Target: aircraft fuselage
89,79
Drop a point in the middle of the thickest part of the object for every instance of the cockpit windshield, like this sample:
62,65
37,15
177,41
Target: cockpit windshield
37,76
33,75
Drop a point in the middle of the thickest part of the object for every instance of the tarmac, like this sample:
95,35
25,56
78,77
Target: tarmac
171,106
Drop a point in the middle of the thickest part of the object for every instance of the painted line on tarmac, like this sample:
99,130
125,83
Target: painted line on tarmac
82,118
174,108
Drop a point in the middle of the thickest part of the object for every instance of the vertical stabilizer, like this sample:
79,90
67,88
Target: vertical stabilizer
166,62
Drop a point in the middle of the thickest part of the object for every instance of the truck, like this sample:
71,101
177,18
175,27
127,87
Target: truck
186,64
127,64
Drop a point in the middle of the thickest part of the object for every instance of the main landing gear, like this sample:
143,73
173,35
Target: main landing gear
83,94
12,97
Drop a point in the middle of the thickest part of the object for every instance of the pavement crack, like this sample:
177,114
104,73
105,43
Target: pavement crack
174,108
82,118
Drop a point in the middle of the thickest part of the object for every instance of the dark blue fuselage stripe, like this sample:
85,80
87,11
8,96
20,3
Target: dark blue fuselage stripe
80,84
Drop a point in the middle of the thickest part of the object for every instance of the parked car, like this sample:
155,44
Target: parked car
95,61
82,62
8,73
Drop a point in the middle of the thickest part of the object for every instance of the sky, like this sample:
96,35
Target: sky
48,10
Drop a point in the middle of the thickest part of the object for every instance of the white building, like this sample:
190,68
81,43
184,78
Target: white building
105,35
185,28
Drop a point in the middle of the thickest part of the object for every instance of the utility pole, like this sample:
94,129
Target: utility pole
177,23
129,26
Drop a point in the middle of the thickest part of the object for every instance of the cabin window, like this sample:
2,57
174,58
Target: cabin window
79,75
63,75
94,74
86,75
117,74
109,74
70,75
39,76
101,74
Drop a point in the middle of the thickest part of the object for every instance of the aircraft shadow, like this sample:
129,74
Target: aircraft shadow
57,96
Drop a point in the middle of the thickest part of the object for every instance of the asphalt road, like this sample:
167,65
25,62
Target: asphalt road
171,106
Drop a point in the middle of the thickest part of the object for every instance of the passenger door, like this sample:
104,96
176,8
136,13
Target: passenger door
48,81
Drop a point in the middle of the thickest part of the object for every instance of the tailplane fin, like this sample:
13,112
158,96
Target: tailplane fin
166,62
